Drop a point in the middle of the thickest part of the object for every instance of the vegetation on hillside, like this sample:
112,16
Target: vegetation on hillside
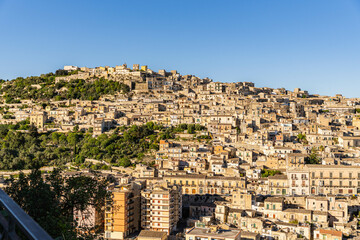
44,88
29,149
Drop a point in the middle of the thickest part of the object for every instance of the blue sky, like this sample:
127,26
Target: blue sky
314,45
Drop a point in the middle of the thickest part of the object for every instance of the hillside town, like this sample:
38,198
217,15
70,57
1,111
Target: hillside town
250,163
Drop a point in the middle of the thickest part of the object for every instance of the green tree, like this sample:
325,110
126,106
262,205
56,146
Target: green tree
51,201
124,162
268,172
313,157
191,129
302,138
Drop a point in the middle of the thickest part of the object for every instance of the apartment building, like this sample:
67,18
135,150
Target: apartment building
204,184
332,179
122,212
278,185
298,181
161,207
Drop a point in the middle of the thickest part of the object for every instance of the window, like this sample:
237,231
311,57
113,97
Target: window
340,175
350,175
331,175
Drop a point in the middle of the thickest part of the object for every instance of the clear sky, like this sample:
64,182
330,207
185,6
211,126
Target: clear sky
311,44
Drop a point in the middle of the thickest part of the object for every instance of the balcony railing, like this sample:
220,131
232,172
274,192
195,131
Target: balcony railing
18,220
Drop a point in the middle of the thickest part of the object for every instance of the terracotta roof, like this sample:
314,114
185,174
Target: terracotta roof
331,232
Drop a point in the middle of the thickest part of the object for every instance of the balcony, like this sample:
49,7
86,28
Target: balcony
18,220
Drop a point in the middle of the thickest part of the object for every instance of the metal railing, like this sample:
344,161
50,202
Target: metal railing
17,219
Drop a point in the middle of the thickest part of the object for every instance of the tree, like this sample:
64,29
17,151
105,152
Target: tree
268,172
302,138
198,127
73,138
51,201
313,157
61,72
76,128
150,125
191,129
124,162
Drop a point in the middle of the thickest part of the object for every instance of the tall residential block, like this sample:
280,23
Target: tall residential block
122,212
161,206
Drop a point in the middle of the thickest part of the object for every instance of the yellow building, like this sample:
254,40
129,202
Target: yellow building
203,184
38,119
242,200
278,185
122,213
334,179
219,149
356,121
